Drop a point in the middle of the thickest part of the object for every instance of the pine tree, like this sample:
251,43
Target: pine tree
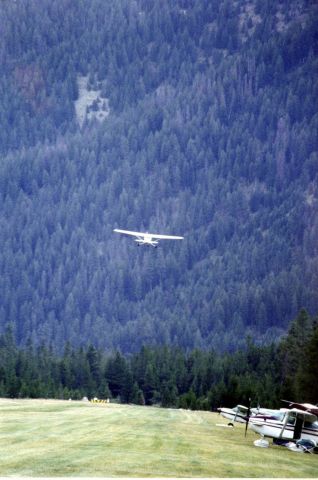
292,354
306,376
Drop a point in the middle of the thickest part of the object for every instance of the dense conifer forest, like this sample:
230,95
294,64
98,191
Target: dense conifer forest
167,376
204,124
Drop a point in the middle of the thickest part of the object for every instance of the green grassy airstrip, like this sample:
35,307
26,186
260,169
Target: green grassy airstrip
68,438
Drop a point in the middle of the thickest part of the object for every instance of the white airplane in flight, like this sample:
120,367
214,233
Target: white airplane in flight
151,239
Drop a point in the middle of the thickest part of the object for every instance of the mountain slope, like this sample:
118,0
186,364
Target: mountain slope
211,134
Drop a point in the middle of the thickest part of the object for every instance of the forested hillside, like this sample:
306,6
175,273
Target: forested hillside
210,132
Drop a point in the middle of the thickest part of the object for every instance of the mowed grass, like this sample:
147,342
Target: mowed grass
63,438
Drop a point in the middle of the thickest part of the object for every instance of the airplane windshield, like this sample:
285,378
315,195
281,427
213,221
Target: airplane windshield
278,415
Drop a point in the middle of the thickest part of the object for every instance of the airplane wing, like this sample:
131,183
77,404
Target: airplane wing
307,416
165,237
307,407
128,232
147,234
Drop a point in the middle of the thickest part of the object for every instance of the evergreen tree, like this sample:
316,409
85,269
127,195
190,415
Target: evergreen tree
306,384
292,352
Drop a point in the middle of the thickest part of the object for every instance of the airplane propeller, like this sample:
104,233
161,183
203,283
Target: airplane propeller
248,415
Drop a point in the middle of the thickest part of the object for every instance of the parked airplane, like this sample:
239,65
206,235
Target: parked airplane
298,422
236,414
241,413
151,239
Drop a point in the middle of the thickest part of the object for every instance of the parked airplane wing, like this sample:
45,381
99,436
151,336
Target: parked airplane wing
307,407
307,416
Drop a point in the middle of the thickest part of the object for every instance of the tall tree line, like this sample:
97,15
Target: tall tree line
168,376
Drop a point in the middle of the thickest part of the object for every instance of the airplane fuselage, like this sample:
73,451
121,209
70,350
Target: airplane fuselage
147,240
286,427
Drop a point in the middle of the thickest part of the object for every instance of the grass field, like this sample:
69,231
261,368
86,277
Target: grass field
61,438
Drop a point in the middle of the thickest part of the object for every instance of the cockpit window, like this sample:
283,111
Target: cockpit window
291,420
312,426
278,416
